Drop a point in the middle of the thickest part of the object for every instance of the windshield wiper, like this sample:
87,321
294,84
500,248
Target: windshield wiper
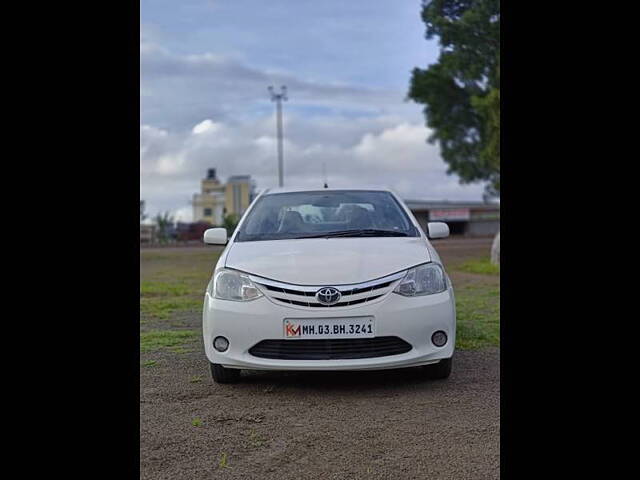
367,232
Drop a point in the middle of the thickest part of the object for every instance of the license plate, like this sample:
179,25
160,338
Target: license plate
355,327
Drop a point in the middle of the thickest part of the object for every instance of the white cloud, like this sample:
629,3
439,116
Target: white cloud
206,126
205,110
183,89
397,156
184,214
402,147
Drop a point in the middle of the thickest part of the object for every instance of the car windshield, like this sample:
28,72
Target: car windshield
337,213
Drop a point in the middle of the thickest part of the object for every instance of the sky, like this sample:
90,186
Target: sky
205,66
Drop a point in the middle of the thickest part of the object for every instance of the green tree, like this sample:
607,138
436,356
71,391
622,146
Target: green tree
230,222
164,222
461,91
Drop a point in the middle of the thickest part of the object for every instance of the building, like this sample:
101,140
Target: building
208,205
463,218
238,194
186,232
216,199
147,233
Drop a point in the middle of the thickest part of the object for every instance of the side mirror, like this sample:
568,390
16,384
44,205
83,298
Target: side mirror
438,230
215,236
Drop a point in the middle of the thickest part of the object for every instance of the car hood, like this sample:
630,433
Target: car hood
327,261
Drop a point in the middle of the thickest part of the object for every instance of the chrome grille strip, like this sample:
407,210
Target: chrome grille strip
304,295
314,288
306,298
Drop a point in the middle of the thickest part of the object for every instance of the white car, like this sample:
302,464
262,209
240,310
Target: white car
330,279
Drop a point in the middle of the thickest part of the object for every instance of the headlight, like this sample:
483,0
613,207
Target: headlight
425,279
231,285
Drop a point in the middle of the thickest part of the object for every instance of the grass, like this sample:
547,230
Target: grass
163,289
173,283
481,266
256,440
164,308
478,316
149,363
173,340
223,461
196,422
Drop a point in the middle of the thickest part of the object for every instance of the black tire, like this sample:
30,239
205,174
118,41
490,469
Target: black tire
224,375
440,370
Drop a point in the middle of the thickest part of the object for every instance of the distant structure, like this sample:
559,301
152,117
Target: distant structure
189,232
216,199
463,218
147,233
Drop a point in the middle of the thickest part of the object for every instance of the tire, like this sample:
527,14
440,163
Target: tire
224,375
440,370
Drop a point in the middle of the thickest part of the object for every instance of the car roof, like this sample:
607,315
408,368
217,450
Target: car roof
271,191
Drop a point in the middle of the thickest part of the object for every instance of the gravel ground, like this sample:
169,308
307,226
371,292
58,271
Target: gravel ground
276,425
320,425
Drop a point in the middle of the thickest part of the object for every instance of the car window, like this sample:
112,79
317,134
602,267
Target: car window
308,214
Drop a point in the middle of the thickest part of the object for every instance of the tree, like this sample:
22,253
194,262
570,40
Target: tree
461,92
230,222
165,223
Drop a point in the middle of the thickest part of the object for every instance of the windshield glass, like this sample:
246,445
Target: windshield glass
329,213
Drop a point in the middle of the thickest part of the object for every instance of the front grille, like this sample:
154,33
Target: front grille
330,349
305,295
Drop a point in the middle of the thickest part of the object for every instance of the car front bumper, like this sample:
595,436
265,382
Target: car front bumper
413,319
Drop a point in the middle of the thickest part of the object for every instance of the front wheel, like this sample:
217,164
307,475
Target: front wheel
440,370
221,374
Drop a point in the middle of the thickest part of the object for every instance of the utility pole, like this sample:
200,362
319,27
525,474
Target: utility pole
278,98
324,174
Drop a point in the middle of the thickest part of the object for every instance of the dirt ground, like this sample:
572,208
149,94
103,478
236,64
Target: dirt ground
322,425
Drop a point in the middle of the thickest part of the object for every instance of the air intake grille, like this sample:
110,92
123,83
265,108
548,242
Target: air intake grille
330,349
305,295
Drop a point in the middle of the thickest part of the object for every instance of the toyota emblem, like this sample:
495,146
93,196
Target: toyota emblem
328,296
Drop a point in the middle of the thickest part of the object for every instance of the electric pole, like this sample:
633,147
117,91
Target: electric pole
278,98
